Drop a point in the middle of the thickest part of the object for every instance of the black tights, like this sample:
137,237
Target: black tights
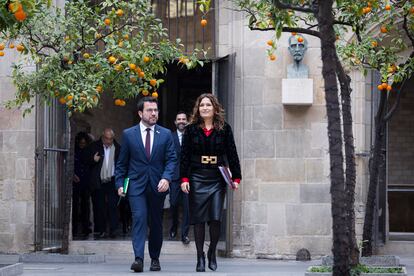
199,235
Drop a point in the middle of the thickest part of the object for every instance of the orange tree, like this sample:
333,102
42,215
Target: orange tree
89,49
14,12
330,20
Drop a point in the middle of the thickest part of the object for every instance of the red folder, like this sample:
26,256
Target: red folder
226,173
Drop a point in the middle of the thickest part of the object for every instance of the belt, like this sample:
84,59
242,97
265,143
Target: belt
207,159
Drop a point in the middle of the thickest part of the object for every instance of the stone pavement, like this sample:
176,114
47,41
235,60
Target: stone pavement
175,265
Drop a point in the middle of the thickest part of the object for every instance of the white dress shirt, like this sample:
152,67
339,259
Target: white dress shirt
144,134
106,158
180,137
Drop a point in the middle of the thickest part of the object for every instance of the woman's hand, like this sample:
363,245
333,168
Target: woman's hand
185,187
236,185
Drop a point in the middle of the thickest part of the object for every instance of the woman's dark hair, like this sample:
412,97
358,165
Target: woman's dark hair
146,100
218,119
82,135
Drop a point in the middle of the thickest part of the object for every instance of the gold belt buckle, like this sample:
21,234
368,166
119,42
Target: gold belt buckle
208,159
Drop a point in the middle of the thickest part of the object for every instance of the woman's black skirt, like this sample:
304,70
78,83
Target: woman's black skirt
207,191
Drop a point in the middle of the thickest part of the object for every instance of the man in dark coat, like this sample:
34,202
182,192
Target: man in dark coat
176,195
102,157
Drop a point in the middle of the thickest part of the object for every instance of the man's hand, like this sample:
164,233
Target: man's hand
121,191
236,185
163,185
96,157
185,187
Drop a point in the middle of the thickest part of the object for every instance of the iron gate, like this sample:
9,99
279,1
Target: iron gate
52,143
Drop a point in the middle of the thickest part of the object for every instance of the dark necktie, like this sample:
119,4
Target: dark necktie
148,143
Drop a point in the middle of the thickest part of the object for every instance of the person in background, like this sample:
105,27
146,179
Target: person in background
177,196
102,157
207,142
80,189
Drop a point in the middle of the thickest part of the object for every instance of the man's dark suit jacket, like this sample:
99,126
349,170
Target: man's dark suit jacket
95,167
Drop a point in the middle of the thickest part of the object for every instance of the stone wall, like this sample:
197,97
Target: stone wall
17,167
401,140
284,201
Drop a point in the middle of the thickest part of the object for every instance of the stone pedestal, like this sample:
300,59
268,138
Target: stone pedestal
297,91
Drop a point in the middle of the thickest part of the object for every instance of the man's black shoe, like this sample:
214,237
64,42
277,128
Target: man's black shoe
185,240
138,265
173,234
155,265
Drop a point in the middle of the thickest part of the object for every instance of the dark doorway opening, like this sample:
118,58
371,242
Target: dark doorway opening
177,93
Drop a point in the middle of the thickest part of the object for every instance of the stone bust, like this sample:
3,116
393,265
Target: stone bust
297,70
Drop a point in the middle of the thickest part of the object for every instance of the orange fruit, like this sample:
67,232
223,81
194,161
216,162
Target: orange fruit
384,85
300,39
141,74
412,10
153,82
132,79
137,70
20,15
132,66
203,22
69,97
11,45
270,42
387,7
15,7
1,53
126,36
369,4
384,29
154,94
374,43
118,102
272,57
118,67
294,33
145,92
62,100
99,89
121,44
147,59
122,103
98,35
366,10
2,46
379,86
20,48
119,12
86,56
112,59
389,88
107,21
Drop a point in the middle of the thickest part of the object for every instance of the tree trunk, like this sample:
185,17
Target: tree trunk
350,172
341,241
67,205
373,172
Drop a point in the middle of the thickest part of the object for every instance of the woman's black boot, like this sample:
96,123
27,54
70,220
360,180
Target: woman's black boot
212,262
201,263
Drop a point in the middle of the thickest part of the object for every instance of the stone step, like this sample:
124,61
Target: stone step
398,248
11,270
103,247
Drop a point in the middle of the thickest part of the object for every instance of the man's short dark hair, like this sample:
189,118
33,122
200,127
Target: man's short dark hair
146,100
181,112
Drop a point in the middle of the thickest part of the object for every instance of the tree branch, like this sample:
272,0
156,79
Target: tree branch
284,6
407,32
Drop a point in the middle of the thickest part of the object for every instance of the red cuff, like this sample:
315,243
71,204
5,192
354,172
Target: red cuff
237,180
185,179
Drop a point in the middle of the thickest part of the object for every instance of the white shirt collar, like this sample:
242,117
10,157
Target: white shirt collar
144,128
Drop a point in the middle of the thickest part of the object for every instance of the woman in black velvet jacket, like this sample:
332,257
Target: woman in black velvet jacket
208,142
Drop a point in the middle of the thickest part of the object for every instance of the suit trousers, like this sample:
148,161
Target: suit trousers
147,210
105,211
176,197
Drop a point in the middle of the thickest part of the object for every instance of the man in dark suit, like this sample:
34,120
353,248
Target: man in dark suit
102,157
177,196
148,159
